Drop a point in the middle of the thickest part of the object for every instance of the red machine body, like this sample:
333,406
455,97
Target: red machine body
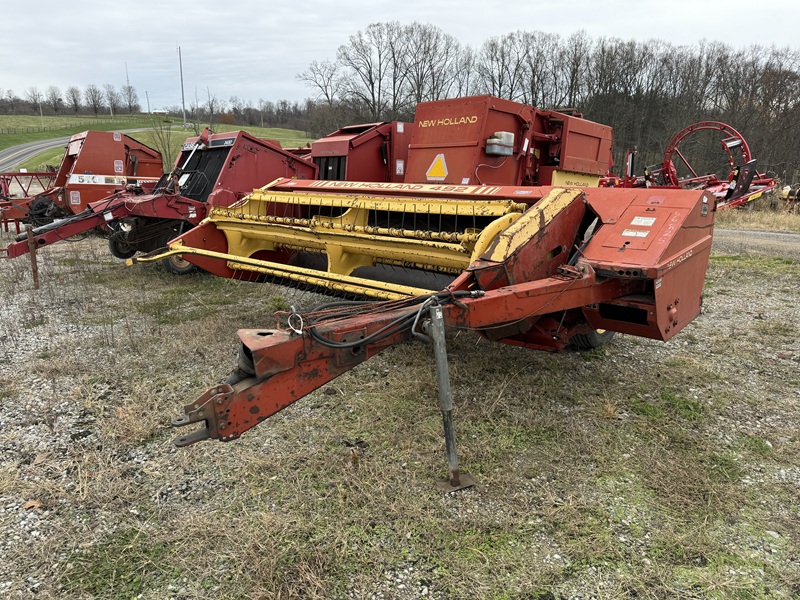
455,142
96,164
369,152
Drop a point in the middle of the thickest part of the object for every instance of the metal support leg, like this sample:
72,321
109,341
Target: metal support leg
32,252
457,480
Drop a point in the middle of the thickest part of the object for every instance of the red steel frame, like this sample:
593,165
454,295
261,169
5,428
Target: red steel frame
24,182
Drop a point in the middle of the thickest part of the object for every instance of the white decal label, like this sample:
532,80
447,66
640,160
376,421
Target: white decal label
117,137
635,233
74,198
465,181
117,166
400,127
399,166
674,263
643,221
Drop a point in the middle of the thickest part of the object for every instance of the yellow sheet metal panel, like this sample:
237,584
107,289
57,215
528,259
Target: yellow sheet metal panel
534,220
573,179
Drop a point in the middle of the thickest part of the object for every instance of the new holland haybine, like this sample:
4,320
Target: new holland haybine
497,228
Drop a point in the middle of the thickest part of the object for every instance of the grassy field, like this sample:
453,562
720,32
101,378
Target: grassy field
287,137
62,126
762,218
637,470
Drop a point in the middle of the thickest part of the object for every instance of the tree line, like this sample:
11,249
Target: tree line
647,91
92,99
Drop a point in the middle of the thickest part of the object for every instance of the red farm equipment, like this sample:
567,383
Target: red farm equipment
96,164
739,185
369,152
211,170
219,170
497,201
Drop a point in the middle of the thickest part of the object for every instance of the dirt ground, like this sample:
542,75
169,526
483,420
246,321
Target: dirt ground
640,469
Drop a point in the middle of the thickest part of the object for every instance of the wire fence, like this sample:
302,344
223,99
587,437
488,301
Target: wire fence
69,125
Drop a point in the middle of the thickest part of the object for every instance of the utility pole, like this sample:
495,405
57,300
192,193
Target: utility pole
183,97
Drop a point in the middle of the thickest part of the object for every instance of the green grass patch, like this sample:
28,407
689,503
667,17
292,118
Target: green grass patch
773,328
760,264
126,563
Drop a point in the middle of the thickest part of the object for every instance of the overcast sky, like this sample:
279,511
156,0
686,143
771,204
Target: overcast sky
254,49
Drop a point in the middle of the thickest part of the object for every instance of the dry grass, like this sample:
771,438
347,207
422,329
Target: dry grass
635,470
766,214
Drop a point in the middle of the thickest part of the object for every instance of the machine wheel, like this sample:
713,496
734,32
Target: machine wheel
593,339
120,248
177,265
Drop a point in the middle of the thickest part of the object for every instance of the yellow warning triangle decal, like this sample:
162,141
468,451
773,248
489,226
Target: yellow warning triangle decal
438,169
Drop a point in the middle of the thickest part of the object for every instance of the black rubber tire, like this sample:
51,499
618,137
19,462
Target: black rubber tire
176,265
120,249
591,340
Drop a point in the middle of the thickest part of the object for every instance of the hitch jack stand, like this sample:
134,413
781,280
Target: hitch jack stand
457,479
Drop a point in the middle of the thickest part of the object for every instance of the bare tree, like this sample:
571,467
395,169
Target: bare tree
464,78
325,77
163,141
541,69
367,58
35,97
113,98
213,106
73,96
500,66
130,98
237,107
94,98
53,95
432,62
12,99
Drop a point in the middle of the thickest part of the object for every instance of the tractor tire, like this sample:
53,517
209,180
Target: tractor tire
176,265
120,249
591,340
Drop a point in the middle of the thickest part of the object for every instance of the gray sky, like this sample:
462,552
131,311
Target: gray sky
255,49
